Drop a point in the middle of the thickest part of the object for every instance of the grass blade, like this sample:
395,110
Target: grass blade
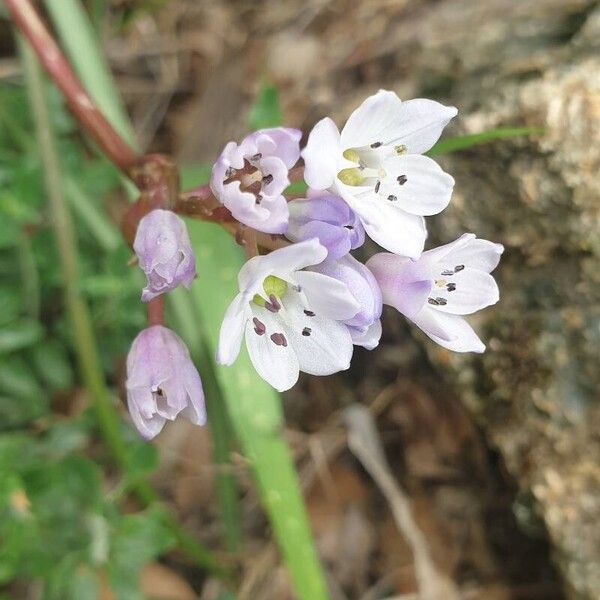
82,46
77,309
255,411
81,43
463,142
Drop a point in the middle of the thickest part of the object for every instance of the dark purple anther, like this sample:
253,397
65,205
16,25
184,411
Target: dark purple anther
279,339
259,326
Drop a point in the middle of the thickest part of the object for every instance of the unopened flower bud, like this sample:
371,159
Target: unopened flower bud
164,252
162,382
330,220
365,325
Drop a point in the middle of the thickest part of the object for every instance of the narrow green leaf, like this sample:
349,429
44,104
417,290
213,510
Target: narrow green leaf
255,410
20,334
105,232
189,327
17,379
86,55
463,142
266,111
80,39
52,364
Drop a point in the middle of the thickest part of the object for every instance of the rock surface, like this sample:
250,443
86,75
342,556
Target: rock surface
535,392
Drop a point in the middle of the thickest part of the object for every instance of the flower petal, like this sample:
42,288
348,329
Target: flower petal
195,409
147,427
418,184
322,155
323,346
389,225
362,285
280,262
367,338
274,166
326,296
384,118
450,331
276,364
335,238
373,121
476,254
232,331
283,142
472,290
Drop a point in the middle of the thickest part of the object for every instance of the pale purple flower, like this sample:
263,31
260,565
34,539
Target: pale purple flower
164,253
365,325
291,318
330,220
376,165
162,382
444,284
249,178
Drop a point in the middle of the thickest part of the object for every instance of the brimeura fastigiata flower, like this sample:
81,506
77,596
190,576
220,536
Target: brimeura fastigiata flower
292,319
162,381
444,284
249,178
164,253
377,165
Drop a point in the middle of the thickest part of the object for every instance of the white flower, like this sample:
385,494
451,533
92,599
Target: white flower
291,318
376,165
445,283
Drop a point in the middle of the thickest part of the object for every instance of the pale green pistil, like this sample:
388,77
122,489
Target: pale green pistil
273,286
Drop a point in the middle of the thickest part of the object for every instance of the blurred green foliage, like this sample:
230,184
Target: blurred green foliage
61,521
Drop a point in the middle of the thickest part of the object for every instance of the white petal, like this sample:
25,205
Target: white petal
195,409
281,262
277,365
477,254
474,290
327,296
232,330
439,254
425,189
373,121
283,142
390,226
328,347
456,333
383,118
367,338
322,155
148,428
274,166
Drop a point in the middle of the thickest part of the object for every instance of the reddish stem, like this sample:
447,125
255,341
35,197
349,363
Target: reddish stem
28,21
156,311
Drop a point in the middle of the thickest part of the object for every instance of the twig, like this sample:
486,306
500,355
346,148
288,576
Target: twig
364,442
28,21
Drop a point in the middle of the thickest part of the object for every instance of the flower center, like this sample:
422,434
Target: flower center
251,178
368,160
443,286
274,288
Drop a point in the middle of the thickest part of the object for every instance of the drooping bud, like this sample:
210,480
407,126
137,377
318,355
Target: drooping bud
330,220
162,382
164,253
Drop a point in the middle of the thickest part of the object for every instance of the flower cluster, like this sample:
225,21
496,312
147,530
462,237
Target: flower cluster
304,306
